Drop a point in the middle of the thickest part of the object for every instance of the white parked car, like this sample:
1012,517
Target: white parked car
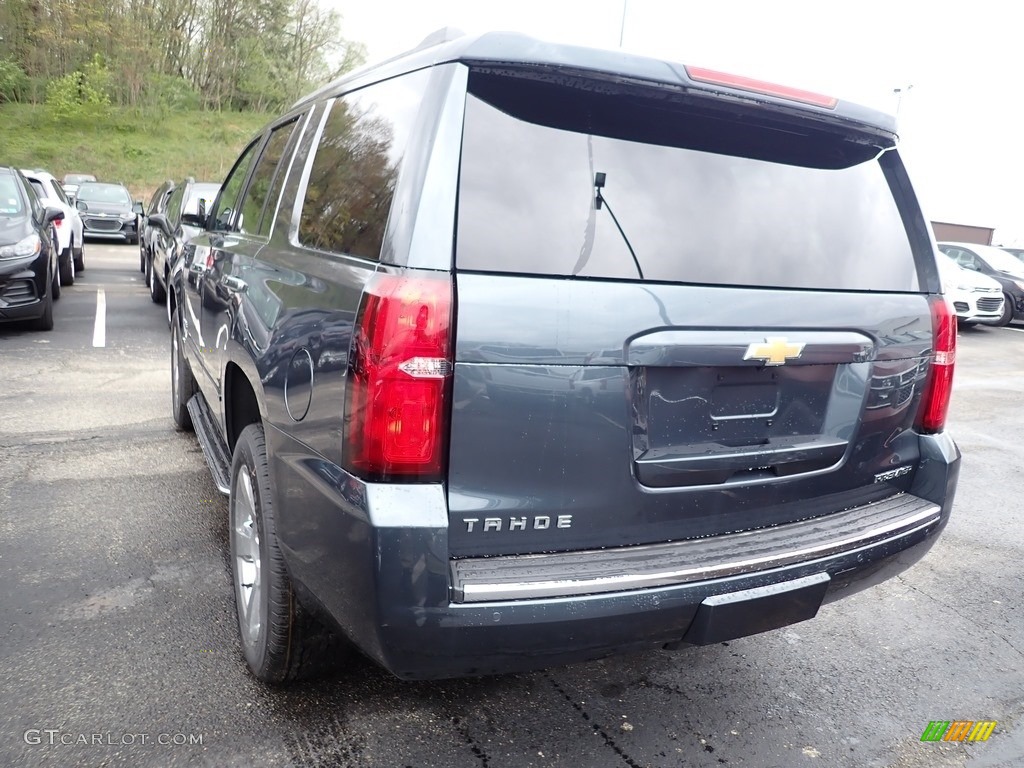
975,297
70,232
72,181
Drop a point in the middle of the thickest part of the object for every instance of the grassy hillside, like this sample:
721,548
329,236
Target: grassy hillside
140,150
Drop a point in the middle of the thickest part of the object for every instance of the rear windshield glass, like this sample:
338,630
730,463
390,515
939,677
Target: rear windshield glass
581,185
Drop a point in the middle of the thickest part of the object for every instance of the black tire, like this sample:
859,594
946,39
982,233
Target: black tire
288,643
148,271
45,321
142,258
66,265
1007,315
79,256
156,289
183,384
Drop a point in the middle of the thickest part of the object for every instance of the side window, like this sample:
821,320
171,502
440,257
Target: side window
227,203
967,259
270,207
165,198
354,172
58,192
37,187
291,184
33,202
259,187
154,201
174,206
955,255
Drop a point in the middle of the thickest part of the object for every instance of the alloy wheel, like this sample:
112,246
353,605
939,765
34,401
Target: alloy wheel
248,565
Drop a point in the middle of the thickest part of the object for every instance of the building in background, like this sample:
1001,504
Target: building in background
962,233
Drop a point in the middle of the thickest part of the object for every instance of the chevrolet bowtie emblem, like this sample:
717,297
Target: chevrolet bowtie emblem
775,350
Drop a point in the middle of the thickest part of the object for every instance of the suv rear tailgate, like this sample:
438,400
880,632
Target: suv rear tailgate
597,413
678,315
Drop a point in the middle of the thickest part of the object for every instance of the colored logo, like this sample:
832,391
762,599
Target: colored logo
775,350
958,730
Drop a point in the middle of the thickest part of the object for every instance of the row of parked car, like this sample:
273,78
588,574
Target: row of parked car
44,225
177,212
42,245
984,283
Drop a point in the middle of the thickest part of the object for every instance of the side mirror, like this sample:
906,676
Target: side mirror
138,208
196,220
160,221
81,206
53,214
224,219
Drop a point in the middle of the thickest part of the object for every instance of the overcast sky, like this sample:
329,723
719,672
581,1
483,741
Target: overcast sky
961,122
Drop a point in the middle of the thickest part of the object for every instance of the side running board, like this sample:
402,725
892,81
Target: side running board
214,449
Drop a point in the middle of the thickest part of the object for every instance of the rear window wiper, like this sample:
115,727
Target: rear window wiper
601,201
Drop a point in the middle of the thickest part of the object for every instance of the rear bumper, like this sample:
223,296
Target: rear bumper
498,637
374,559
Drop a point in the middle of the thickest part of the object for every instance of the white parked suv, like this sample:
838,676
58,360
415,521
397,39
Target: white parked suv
70,236
976,298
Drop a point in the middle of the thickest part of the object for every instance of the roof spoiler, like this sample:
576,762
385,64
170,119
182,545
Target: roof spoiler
443,35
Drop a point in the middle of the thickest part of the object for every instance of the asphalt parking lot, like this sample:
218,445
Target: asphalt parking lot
118,643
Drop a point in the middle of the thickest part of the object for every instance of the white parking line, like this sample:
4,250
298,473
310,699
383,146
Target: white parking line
99,331
1008,328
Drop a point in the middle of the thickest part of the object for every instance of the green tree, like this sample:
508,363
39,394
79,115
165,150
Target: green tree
13,82
232,54
81,94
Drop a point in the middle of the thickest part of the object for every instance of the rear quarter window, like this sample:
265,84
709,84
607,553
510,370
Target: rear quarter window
790,212
356,166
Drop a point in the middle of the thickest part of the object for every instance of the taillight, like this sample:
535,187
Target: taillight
931,417
713,77
58,222
396,419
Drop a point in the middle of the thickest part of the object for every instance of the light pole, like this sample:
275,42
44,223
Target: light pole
899,96
622,24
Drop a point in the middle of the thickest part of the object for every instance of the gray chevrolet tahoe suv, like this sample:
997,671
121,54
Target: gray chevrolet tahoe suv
511,354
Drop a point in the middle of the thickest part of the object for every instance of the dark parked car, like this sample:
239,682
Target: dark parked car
1017,253
29,276
184,217
383,343
108,211
1001,266
157,204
